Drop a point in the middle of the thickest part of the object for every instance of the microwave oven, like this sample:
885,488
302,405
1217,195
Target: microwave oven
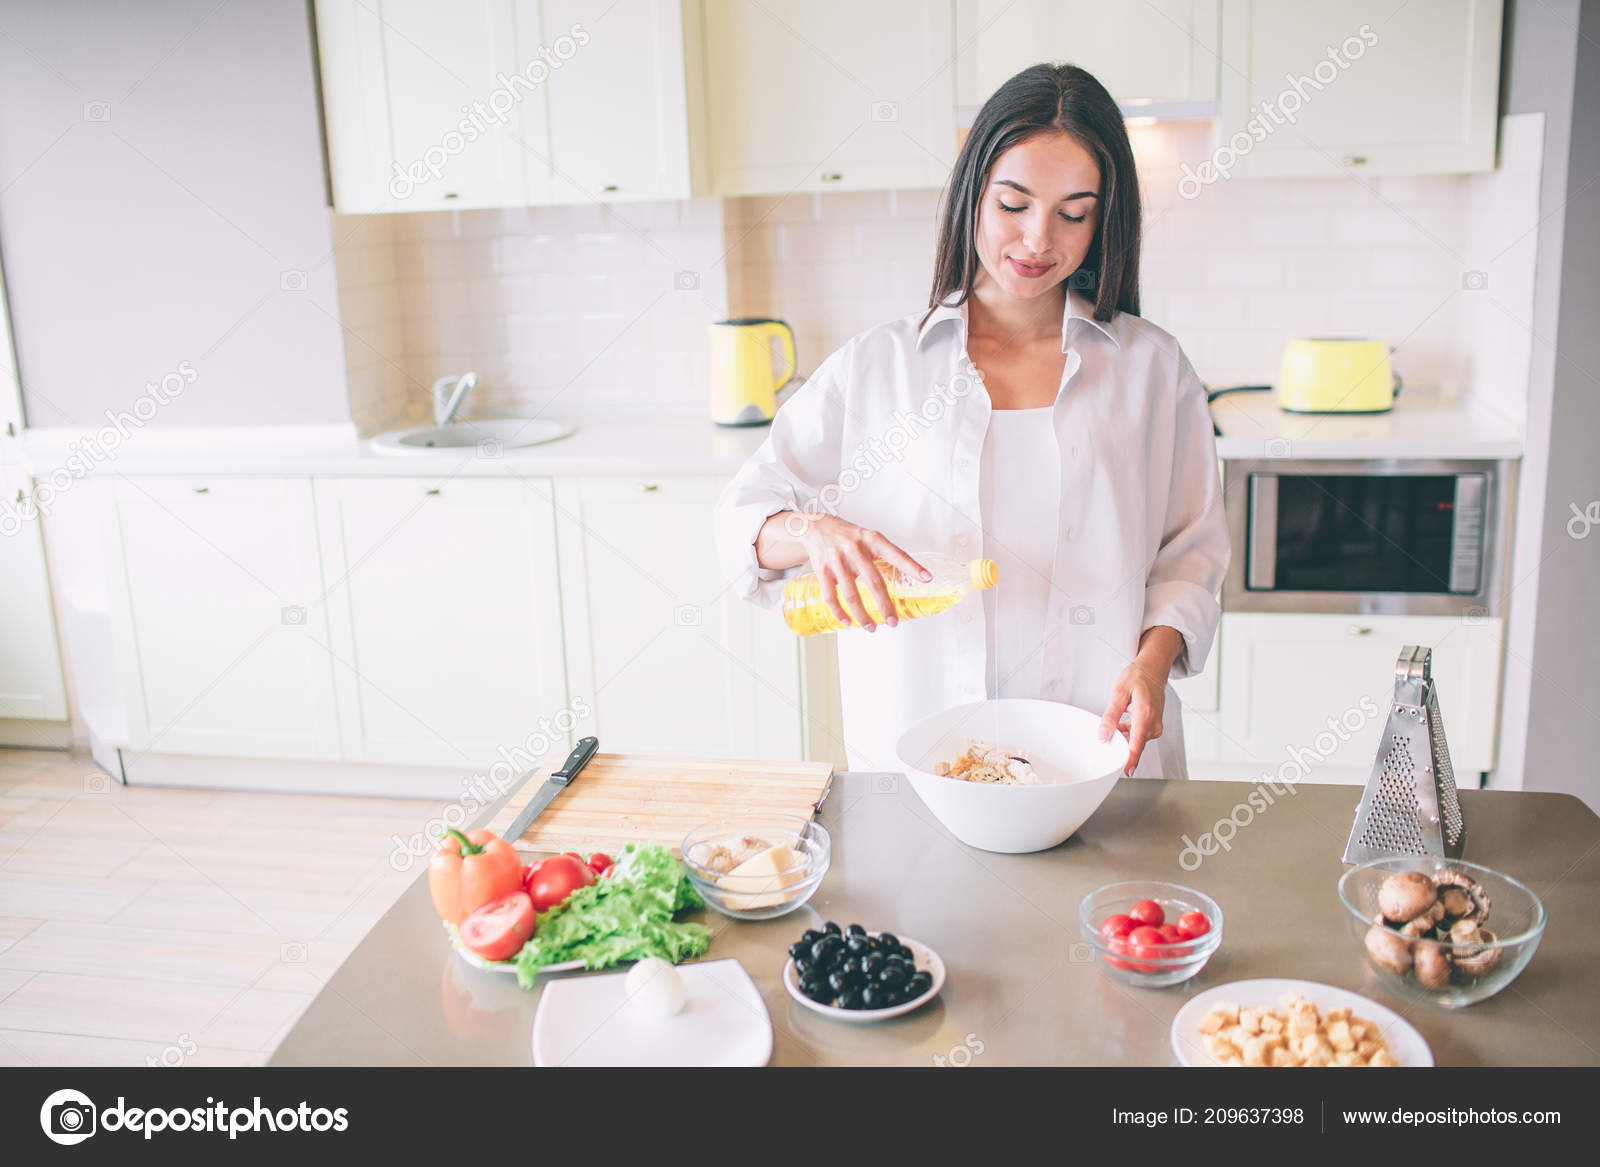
1379,536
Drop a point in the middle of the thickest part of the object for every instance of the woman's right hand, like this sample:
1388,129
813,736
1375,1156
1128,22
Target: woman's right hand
842,553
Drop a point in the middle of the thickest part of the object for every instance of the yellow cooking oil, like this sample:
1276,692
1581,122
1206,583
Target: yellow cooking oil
807,614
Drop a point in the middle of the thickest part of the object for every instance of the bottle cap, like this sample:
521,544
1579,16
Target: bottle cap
984,573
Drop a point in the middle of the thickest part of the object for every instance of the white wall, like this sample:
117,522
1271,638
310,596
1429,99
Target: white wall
162,202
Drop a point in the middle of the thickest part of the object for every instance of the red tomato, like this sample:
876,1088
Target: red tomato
1118,925
1172,934
498,929
575,855
553,880
1119,945
609,872
599,861
1148,912
1193,925
1146,943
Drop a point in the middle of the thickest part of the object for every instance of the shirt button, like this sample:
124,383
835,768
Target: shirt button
966,617
1074,451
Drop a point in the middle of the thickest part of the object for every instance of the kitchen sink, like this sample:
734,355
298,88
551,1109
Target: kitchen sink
492,435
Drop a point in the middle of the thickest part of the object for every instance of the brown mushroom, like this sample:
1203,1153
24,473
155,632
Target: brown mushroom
1477,953
1431,965
1388,949
1453,885
1405,895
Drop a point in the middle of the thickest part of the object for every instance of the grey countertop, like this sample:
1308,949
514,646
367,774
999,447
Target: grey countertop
1022,988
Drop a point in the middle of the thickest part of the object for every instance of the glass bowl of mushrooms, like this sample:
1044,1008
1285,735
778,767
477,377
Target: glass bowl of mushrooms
1441,931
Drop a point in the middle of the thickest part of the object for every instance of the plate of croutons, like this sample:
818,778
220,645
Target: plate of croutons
1284,1023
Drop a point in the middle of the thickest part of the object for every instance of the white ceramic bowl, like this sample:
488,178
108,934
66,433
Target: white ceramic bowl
1076,771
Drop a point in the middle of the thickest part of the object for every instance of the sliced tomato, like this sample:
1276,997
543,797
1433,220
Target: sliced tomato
498,929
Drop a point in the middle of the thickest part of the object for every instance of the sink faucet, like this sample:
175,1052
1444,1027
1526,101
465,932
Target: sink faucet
448,393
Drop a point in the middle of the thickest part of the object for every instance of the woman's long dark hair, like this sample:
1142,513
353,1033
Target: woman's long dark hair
1046,99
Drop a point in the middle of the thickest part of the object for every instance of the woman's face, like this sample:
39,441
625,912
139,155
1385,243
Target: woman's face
1037,217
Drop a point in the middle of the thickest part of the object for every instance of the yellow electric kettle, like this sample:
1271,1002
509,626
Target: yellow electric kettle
1336,375
745,387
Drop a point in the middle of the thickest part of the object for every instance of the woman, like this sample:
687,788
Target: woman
1029,416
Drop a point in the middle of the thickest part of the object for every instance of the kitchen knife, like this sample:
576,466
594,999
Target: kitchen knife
554,785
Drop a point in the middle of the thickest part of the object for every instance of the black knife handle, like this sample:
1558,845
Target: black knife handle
576,760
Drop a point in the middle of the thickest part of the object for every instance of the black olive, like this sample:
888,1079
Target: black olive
889,939
856,946
814,987
799,950
896,958
855,930
873,964
919,984
872,997
810,936
839,981
824,948
849,1000
893,976
830,929
906,952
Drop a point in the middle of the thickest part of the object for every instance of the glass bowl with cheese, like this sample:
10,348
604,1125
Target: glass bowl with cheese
755,866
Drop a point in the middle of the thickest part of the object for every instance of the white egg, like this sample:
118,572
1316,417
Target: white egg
656,986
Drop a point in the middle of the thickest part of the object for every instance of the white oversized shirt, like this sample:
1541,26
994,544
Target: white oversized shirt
889,432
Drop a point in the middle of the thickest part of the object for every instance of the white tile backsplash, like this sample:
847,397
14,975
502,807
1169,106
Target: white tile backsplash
599,308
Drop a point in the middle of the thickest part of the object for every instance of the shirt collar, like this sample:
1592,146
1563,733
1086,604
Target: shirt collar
1077,308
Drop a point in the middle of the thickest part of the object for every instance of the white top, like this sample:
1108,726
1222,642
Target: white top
889,433
1018,497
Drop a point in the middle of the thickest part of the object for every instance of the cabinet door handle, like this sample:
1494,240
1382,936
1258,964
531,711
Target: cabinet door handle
609,188
1354,159
202,490
435,490
1360,630
19,495
649,486
832,176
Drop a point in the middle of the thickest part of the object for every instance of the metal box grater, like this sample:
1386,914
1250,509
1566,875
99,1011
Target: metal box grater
1410,805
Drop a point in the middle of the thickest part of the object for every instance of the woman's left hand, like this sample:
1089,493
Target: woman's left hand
1142,695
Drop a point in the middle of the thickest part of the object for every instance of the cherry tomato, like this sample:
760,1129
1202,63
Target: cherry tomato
609,872
599,861
1193,925
551,881
575,855
498,929
1119,945
1148,912
1172,934
1118,925
1146,943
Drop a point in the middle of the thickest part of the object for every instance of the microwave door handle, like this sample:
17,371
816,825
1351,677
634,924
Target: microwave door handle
1262,567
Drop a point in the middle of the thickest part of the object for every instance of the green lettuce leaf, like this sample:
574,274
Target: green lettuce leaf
621,919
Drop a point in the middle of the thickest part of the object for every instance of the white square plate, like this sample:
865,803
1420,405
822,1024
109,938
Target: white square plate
591,1021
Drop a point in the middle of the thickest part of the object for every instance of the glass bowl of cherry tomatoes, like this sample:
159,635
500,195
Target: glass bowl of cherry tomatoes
1148,933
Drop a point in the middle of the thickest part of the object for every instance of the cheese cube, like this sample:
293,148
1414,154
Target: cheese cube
762,880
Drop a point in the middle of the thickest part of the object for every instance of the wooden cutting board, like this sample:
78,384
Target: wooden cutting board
639,798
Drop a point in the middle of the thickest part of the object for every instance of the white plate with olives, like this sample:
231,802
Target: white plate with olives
844,970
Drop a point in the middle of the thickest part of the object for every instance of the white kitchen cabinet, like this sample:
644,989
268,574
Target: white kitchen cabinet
1285,676
806,95
218,618
1372,87
494,103
674,661
400,79
31,686
1159,56
445,616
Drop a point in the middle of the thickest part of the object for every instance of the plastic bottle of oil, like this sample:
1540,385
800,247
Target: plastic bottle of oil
807,614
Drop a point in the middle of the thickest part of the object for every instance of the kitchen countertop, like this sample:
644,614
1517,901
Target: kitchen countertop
652,445
1419,426
1021,986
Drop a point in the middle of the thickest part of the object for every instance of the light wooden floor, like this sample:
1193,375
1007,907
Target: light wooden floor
188,927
